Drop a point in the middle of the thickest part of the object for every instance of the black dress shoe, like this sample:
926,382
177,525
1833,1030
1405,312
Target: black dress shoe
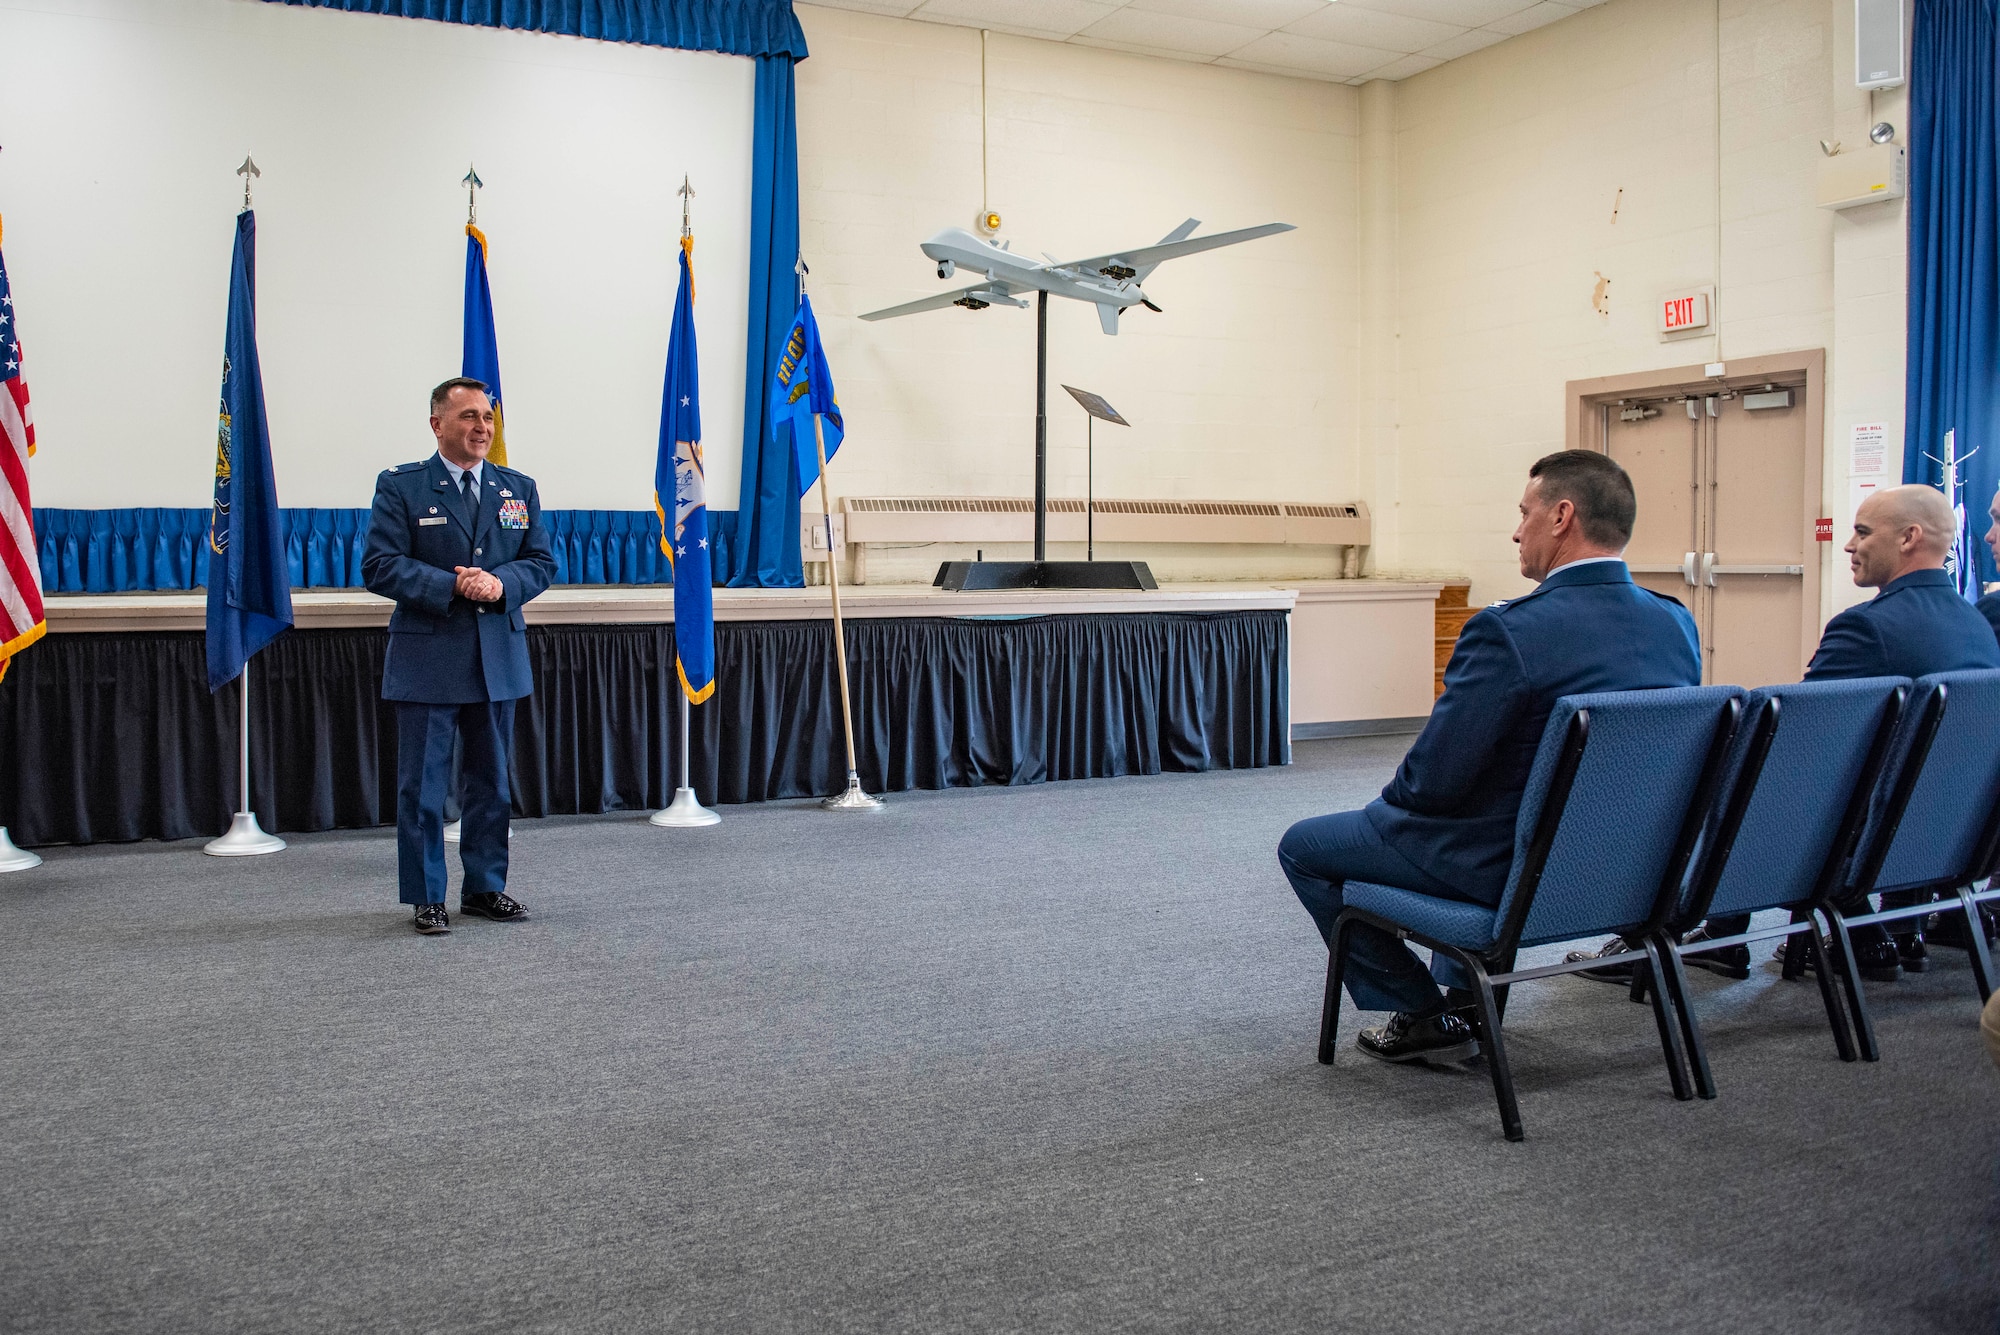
1444,1037
1910,953
1729,961
1619,973
493,904
1877,960
432,920
1950,929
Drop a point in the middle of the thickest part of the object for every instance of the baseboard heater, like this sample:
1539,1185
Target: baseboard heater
1011,519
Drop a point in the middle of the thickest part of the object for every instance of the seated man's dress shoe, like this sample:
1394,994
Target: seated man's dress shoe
1444,1037
1878,960
1729,961
432,920
1910,953
1619,972
491,904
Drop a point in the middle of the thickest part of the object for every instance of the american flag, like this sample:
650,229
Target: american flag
21,620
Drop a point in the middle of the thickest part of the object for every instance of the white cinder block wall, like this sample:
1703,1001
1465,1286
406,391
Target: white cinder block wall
1245,388
1507,166
1410,344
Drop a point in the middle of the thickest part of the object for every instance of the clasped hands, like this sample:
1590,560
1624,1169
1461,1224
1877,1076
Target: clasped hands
477,584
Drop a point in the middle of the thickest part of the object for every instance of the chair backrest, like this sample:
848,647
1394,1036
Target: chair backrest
1794,793
1936,825
1606,850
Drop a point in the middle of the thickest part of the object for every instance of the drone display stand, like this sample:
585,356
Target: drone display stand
1042,573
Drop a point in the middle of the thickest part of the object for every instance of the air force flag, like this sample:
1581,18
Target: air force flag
804,387
249,578
678,474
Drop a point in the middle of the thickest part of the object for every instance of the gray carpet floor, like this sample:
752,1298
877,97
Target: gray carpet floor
1036,1059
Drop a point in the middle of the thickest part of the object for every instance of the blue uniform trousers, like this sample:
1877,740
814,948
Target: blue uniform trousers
424,736
1319,856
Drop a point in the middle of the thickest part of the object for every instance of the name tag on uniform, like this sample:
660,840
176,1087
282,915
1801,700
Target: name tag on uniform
439,520
513,514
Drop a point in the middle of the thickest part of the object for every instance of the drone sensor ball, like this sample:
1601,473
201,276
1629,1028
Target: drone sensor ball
989,222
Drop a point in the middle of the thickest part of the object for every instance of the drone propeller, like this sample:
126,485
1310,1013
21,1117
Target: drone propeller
1147,302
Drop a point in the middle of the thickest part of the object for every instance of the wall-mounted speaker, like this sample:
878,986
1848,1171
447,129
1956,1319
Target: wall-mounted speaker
1878,43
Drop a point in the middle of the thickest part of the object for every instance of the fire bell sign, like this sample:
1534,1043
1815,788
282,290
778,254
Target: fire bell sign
1684,312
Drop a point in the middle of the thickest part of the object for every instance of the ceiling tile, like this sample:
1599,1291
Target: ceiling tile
1262,14
895,9
1535,16
1373,27
1063,17
1290,51
1231,62
1404,67
1135,49
1464,13
1477,39
1171,32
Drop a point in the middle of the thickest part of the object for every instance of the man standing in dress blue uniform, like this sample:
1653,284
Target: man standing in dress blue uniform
1445,824
458,543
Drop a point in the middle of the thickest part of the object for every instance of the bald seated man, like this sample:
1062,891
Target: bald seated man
1915,625
1989,606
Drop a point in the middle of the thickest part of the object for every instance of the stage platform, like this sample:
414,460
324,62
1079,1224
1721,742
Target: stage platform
114,736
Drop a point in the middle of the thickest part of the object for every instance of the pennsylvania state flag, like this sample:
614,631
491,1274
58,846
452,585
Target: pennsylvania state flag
482,347
678,473
249,579
804,386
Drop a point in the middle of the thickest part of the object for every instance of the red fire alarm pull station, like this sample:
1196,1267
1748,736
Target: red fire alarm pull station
1823,530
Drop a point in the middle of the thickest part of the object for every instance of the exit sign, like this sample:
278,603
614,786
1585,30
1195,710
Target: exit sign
1684,312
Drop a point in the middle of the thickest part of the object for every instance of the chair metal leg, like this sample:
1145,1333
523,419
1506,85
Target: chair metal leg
1488,1006
1850,978
1670,1032
1675,977
1329,1013
1975,950
1829,991
1641,981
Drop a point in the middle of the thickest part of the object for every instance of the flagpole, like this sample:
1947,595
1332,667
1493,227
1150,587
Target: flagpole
245,838
854,799
686,810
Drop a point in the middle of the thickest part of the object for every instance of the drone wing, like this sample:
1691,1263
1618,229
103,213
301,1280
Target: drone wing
996,293
1135,264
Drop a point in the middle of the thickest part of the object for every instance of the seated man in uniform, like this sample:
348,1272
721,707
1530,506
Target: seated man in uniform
1915,625
1445,824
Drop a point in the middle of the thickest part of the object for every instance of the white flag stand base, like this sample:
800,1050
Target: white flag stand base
244,839
685,811
451,832
853,799
13,858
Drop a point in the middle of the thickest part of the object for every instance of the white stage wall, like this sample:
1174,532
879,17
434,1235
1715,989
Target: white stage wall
121,122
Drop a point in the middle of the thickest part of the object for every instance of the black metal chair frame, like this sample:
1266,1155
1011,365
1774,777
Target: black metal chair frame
1862,883
1492,970
1808,920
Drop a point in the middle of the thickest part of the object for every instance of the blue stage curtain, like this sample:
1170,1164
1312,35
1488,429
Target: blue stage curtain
119,551
735,27
1954,296
763,551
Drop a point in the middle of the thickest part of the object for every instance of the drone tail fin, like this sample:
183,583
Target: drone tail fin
1107,315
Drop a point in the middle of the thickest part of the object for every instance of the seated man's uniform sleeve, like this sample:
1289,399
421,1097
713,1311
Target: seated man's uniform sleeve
1485,690
1851,647
388,568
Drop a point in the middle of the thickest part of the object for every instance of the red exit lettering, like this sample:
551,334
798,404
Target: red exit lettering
1680,313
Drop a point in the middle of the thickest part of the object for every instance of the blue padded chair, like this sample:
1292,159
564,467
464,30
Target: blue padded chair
1794,798
1608,823
1935,829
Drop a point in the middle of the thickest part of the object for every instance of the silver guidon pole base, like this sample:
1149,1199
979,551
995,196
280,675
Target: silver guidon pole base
13,858
853,799
685,811
244,838
451,832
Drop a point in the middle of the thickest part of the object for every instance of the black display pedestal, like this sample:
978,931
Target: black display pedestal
953,576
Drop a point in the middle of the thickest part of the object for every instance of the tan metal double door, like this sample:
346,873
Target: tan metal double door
1724,523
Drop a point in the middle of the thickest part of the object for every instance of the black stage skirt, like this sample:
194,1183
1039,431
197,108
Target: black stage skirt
115,736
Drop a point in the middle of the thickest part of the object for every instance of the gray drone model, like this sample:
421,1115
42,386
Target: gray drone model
1109,282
